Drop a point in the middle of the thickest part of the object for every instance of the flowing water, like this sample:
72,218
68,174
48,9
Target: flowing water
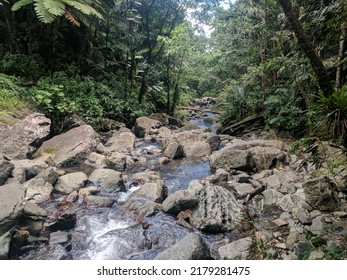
113,233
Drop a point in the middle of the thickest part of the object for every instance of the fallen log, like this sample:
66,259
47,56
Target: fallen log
247,123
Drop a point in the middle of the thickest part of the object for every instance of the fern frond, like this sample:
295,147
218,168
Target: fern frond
55,7
70,17
21,3
42,13
83,8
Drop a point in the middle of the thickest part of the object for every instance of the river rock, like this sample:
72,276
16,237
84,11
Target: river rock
320,194
289,202
116,161
96,160
194,144
11,205
155,192
144,125
68,183
5,240
33,210
191,247
107,179
214,142
303,216
26,169
11,208
228,158
21,140
217,210
122,141
65,221
88,191
70,148
58,237
146,177
143,209
179,201
236,250
99,201
318,225
271,197
50,252
50,175
266,157
197,149
6,168
174,150
38,190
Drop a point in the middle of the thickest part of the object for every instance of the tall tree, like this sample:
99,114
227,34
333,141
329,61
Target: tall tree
307,47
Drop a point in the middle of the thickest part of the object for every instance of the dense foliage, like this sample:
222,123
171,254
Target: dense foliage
119,59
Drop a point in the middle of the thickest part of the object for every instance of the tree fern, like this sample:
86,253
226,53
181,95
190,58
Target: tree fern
42,13
83,8
21,3
48,10
55,7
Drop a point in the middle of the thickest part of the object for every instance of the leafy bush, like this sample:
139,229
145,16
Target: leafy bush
283,111
331,112
21,65
12,96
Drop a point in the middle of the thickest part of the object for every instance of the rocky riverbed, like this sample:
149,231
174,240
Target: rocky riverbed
165,189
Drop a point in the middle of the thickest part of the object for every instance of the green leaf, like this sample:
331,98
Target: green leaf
21,3
55,7
83,8
42,13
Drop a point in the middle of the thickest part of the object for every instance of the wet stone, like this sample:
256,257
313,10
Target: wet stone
58,237
280,222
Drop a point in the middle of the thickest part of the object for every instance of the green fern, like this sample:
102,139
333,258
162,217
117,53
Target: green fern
48,10
55,7
42,13
83,8
20,4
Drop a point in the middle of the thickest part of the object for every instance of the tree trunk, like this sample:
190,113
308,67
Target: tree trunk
340,59
306,45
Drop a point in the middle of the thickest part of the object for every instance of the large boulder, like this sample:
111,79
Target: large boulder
11,208
70,182
145,125
191,247
237,250
228,158
70,148
107,179
155,192
214,209
21,140
179,201
146,177
217,210
191,144
320,194
121,141
266,157
26,169
6,168
249,155
38,190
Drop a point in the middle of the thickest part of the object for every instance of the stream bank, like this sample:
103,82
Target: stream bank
146,193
